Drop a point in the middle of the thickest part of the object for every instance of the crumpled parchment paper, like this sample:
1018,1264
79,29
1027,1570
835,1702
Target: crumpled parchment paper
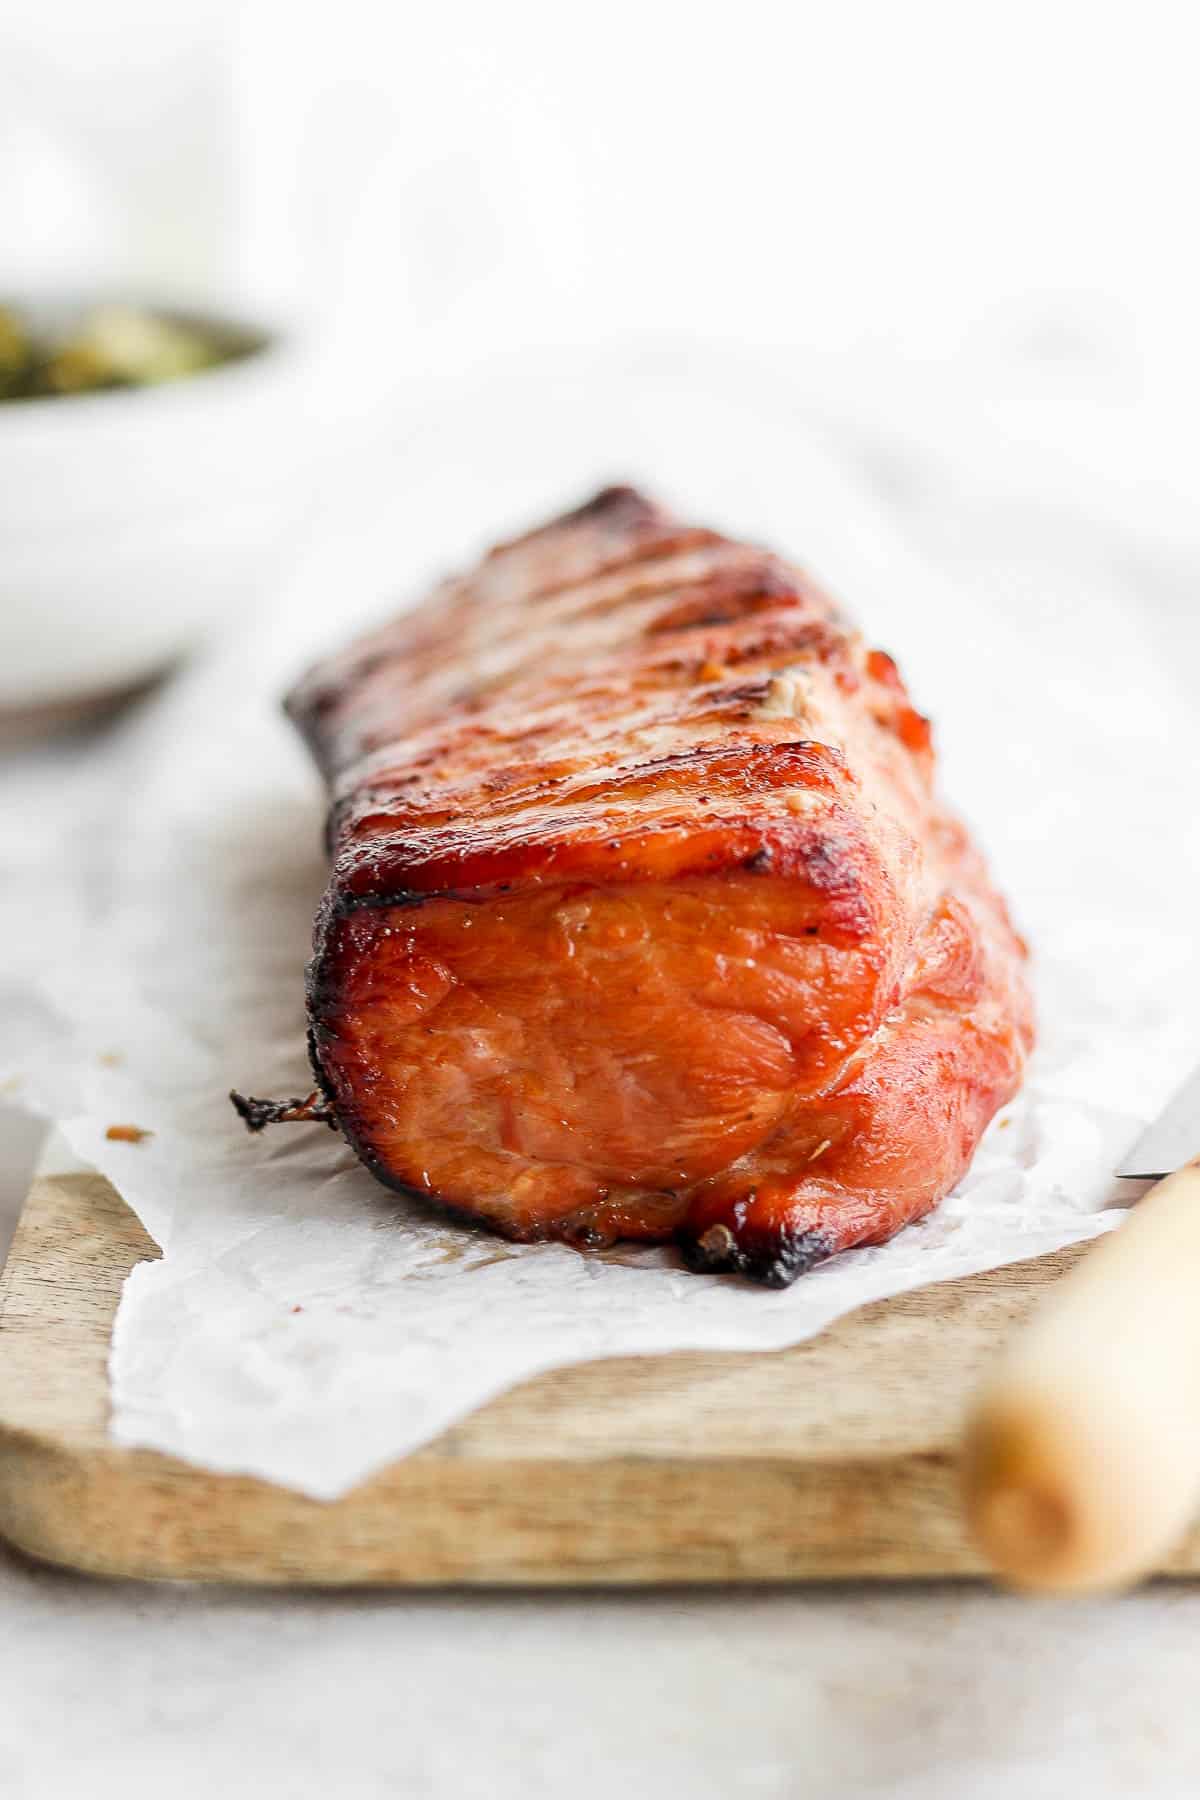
306,1326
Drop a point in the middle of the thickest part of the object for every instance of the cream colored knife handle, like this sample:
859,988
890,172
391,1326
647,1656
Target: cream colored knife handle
1082,1457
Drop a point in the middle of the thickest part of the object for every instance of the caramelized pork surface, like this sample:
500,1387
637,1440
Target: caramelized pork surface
645,919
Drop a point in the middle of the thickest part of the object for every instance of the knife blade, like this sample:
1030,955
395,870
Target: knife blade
1172,1140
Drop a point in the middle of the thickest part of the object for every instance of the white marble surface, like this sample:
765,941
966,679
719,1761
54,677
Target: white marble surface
929,1691
935,1693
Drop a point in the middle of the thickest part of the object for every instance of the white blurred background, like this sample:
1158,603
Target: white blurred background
993,207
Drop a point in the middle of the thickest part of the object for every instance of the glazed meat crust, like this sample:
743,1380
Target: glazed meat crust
645,920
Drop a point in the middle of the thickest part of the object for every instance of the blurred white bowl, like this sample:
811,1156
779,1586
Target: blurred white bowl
133,521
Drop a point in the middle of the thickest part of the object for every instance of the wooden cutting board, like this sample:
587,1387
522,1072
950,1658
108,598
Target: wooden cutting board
833,1459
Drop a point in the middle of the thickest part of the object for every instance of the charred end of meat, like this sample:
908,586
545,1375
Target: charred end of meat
618,502
774,1258
256,1115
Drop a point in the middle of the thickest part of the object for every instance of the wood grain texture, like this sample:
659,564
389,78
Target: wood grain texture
838,1458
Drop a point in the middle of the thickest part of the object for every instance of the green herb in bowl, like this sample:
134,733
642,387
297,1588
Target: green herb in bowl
109,346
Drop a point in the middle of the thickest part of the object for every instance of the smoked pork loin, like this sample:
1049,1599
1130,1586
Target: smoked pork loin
645,919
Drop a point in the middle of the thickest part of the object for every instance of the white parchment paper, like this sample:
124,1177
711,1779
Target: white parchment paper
306,1326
